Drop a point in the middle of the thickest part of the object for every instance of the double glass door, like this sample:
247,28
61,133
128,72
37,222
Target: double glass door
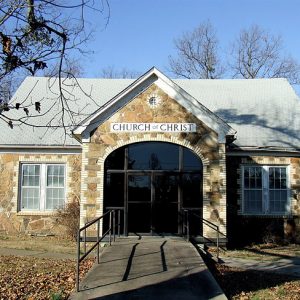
151,183
153,204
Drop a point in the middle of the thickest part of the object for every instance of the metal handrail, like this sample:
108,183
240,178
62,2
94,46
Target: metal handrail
111,231
186,227
118,209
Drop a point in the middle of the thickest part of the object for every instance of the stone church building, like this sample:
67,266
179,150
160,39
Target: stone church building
226,150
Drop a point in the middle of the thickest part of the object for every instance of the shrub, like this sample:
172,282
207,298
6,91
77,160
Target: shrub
69,218
56,296
273,233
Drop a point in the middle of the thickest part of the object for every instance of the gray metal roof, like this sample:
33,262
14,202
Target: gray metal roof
264,112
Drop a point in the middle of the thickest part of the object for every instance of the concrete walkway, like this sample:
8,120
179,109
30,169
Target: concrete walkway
150,268
281,266
36,253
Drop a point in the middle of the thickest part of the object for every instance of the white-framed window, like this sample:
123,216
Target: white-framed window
42,187
265,190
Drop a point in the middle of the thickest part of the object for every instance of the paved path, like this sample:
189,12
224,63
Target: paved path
150,268
282,266
36,253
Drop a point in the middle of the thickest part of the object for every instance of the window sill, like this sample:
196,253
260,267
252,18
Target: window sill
256,215
36,213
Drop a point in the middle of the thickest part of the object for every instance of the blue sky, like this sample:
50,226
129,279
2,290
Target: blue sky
140,33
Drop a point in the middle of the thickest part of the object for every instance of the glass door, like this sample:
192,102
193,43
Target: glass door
165,203
139,203
151,182
153,203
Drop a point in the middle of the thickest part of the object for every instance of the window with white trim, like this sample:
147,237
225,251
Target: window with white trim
265,190
42,187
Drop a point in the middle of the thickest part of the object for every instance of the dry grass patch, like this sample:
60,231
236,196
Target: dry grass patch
264,252
238,283
53,244
38,278
245,285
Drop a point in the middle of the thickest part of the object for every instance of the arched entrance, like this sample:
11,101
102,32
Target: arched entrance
152,182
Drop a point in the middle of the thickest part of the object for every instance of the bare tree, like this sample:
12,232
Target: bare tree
197,54
36,35
258,54
7,87
72,68
111,72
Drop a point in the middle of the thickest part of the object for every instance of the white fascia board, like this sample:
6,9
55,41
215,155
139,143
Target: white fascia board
82,127
32,146
85,137
267,152
41,150
107,113
196,108
167,85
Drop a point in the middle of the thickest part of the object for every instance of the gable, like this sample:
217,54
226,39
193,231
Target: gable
153,83
167,112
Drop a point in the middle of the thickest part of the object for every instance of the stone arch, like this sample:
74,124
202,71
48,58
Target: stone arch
150,138
158,138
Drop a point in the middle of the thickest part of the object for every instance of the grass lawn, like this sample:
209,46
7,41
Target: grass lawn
30,277
33,277
26,277
51,244
266,252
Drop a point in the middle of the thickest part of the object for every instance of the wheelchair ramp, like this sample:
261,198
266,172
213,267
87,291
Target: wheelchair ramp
149,268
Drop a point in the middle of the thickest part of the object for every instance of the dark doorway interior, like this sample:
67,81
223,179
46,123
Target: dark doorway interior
151,183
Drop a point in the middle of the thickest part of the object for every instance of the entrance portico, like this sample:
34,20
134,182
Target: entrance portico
153,196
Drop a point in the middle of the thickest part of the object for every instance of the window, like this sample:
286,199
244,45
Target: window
278,192
265,190
42,186
30,186
154,156
253,201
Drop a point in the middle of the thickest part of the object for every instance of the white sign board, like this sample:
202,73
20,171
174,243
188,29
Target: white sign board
153,127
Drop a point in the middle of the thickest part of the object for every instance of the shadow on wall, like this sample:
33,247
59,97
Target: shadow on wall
245,231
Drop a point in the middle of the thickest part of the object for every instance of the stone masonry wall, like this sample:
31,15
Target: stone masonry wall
13,221
204,143
294,164
247,229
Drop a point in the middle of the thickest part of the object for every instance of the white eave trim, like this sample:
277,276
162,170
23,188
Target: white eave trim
40,149
176,92
264,152
197,109
110,103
